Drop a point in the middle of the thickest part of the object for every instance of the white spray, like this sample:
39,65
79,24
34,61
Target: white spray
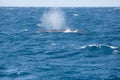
53,19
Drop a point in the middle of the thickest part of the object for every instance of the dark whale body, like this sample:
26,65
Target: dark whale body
61,30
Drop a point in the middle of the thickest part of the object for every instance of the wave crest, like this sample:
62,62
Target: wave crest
99,49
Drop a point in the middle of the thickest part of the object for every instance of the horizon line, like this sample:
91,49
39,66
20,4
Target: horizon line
59,6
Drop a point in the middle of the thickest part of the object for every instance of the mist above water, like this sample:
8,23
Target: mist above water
53,19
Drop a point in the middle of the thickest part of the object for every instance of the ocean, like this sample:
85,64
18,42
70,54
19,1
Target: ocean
27,54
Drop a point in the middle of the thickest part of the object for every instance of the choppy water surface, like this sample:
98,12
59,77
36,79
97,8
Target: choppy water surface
91,55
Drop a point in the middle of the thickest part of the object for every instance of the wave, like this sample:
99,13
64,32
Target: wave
99,49
99,46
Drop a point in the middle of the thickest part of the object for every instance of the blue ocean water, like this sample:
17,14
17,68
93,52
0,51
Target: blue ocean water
91,55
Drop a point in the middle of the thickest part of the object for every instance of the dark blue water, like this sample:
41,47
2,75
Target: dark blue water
91,55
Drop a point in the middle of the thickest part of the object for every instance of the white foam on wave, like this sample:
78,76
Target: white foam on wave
114,48
116,8
70,31
99,46
90,45
75,14
11,8
116,51
53,44
39,25
25,30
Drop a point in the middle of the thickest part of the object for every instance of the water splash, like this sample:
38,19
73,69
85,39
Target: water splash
70,31
54,19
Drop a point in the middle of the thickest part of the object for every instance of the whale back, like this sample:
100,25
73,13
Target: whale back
61,30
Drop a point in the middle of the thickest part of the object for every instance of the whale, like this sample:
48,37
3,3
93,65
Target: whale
60,31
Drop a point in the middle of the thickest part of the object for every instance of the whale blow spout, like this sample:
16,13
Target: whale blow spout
54,19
